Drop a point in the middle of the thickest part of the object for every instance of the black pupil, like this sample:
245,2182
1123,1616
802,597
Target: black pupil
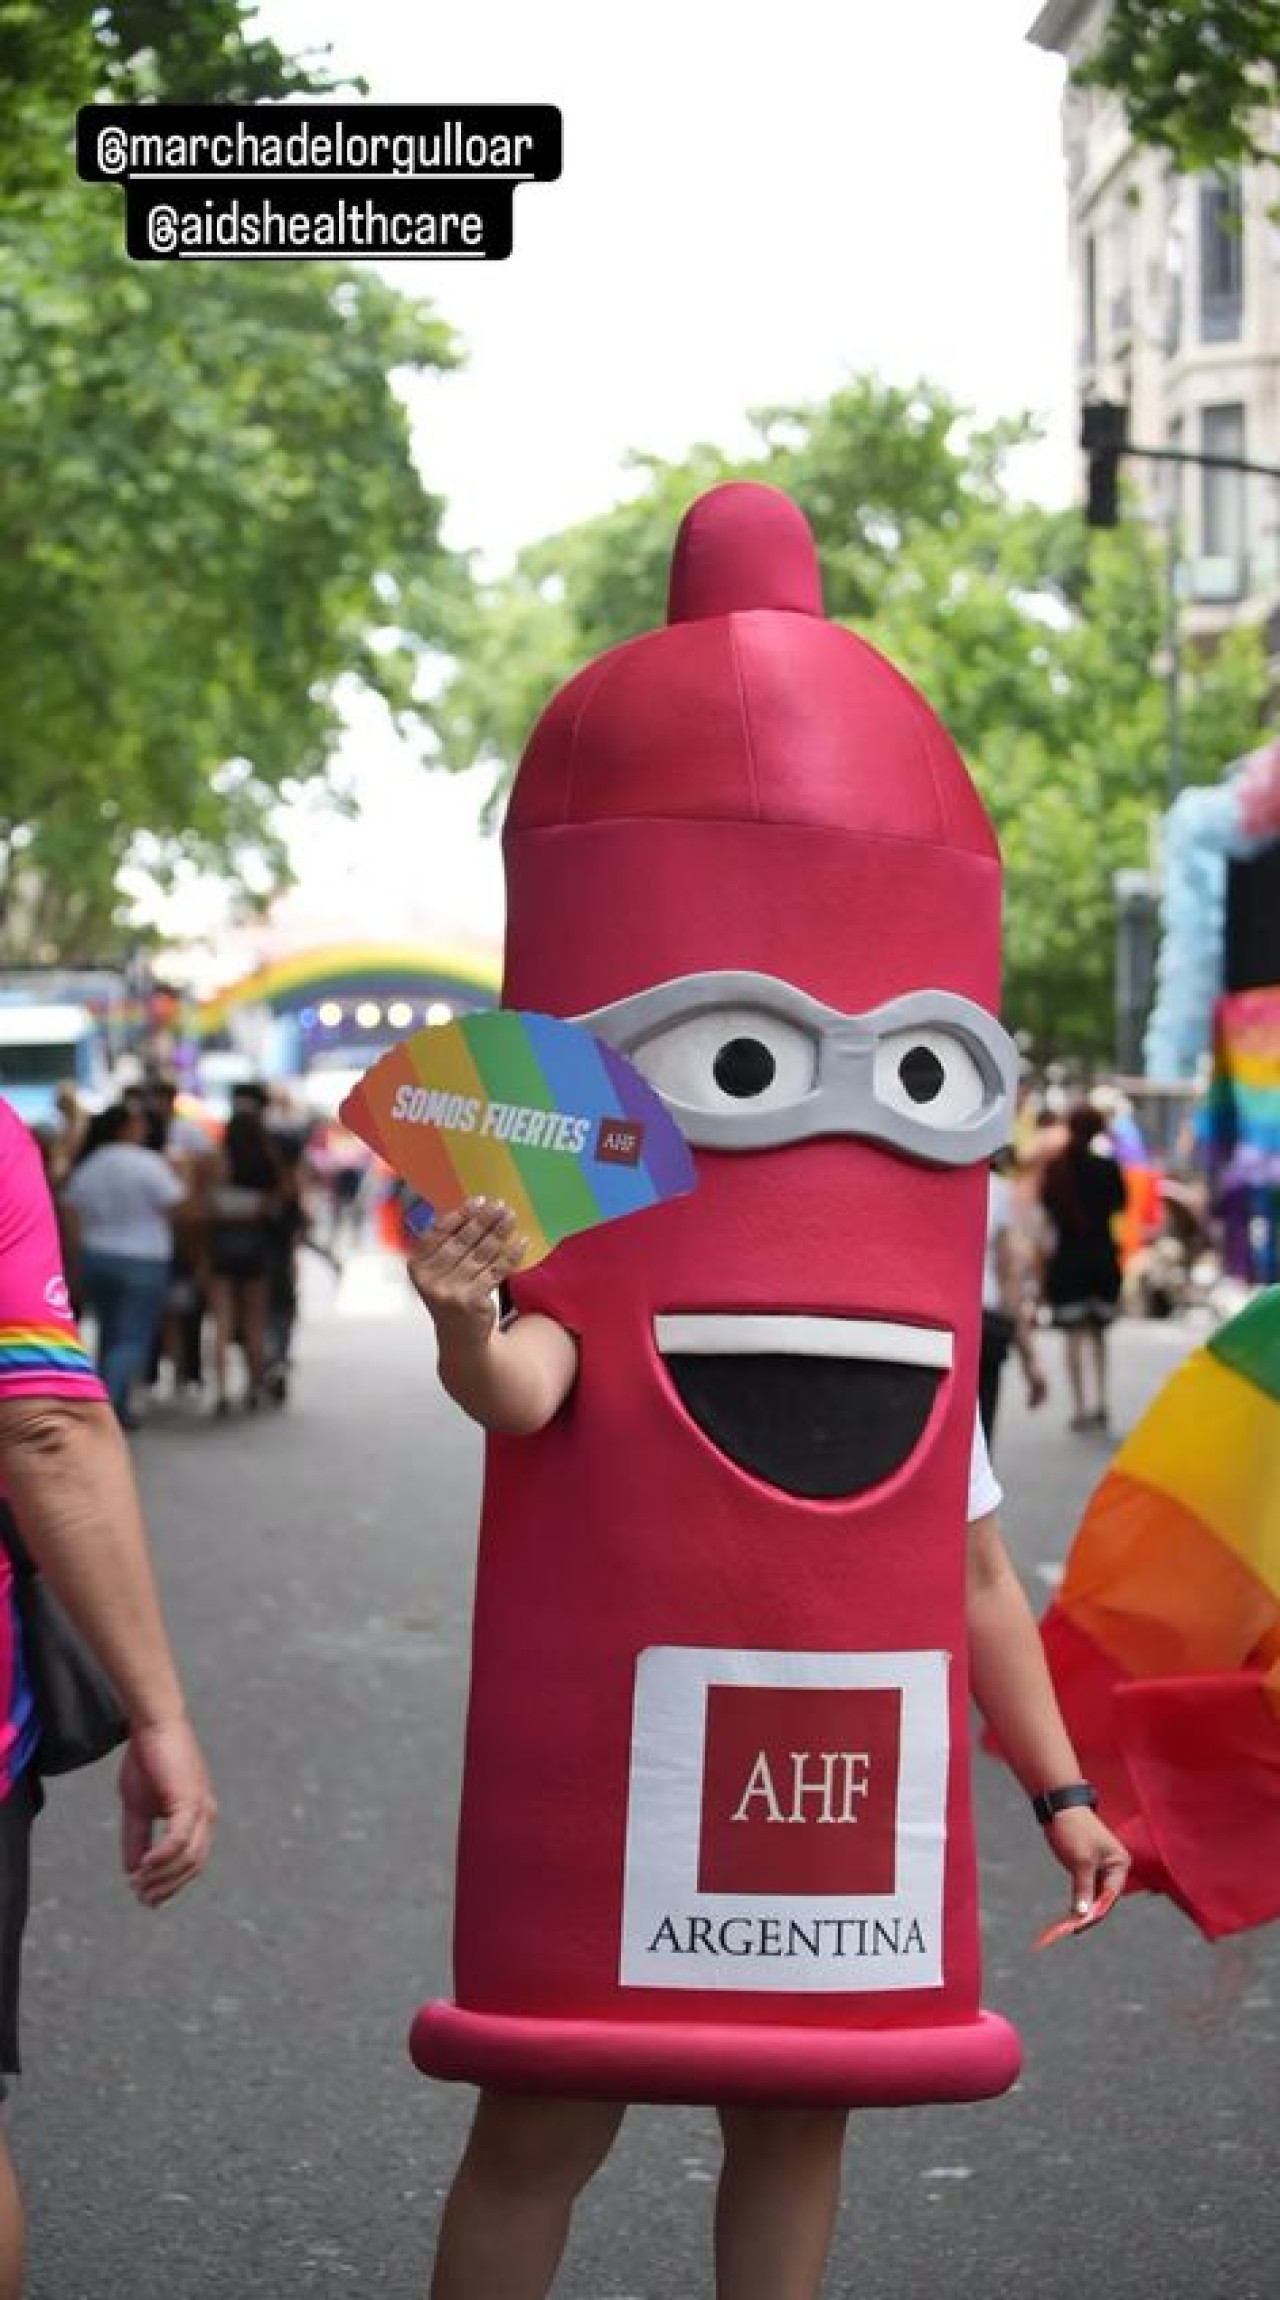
744,1066
922,1074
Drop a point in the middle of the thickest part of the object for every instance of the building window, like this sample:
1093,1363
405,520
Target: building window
1119,273
1221,259
1223,503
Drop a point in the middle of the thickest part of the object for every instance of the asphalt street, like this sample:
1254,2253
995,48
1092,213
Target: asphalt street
218,2101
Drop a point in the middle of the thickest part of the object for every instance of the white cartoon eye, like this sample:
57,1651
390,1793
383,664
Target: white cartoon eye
730,1058
928,1075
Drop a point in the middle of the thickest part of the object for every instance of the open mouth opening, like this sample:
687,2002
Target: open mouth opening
824,1408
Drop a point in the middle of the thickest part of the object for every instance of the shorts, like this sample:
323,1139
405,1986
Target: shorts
239,1251
1094,1312
17,1812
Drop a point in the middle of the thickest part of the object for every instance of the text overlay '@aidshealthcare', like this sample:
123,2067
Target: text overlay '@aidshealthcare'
432,182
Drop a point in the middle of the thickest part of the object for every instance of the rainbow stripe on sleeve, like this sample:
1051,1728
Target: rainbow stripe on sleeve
28,1351
1164,1638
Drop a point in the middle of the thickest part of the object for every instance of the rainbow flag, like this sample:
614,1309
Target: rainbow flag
1242,1113
1164,1638
526,1108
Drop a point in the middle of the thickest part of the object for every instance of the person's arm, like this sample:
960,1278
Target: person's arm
67,1470
1016,1304
71,1190
170,1186
1014,1690
513,1379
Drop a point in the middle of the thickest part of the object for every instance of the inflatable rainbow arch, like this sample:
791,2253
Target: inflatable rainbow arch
345,971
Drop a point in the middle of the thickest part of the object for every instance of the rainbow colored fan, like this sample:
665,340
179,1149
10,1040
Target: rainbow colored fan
526,1108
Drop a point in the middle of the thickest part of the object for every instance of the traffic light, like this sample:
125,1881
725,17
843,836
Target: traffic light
1104,436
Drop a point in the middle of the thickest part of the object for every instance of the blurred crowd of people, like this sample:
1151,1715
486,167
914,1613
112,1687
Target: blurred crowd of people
182,1236
182,1240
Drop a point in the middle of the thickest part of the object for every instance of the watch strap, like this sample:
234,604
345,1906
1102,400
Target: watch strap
1051,1802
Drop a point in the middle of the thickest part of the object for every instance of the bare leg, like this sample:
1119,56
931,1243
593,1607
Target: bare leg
222,1307
1074,1340
10,2228
1098,1354
506,2222
776,2207
252,1304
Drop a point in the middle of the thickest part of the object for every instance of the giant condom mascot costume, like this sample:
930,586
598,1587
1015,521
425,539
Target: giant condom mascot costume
716,1838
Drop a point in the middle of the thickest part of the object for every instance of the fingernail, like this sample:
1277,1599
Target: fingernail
1083,1908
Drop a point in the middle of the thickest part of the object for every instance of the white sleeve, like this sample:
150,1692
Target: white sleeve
984,1492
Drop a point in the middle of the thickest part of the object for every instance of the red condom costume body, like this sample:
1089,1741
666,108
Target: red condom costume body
716,1839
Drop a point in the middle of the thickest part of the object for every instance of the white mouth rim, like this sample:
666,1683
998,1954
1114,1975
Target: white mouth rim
725,1334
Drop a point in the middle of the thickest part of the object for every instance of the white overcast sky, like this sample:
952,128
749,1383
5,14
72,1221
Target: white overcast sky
759,197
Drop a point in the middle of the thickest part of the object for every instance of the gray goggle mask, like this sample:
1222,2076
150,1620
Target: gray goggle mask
746,1061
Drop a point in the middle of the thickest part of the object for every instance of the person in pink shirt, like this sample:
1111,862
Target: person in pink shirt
66,1478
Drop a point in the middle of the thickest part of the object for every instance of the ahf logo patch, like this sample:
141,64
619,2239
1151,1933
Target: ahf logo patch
786,1823
619,1141
800,1789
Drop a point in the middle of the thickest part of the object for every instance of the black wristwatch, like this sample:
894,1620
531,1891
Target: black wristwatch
1051,1802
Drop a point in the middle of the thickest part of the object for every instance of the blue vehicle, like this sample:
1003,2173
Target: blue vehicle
45,1047
59,1028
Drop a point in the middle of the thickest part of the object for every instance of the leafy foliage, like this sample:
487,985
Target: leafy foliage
1200,78
1038,642
211,515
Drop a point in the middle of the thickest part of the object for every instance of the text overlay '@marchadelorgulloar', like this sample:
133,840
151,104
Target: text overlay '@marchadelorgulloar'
330,181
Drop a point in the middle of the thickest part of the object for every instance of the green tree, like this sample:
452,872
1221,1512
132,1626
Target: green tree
53,58
1199,78
211,516
1038,642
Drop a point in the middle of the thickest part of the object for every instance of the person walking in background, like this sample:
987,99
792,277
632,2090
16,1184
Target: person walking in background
65,1473
1082,1192
244,1200
1006,1301
183,1141
191,1152
287,1227
343,1164
122,1197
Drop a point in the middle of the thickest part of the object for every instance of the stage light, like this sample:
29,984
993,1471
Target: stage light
368,1014
330,1014
439,1011
399,1015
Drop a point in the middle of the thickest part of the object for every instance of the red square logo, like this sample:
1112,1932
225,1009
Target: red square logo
800,1789
619,1141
